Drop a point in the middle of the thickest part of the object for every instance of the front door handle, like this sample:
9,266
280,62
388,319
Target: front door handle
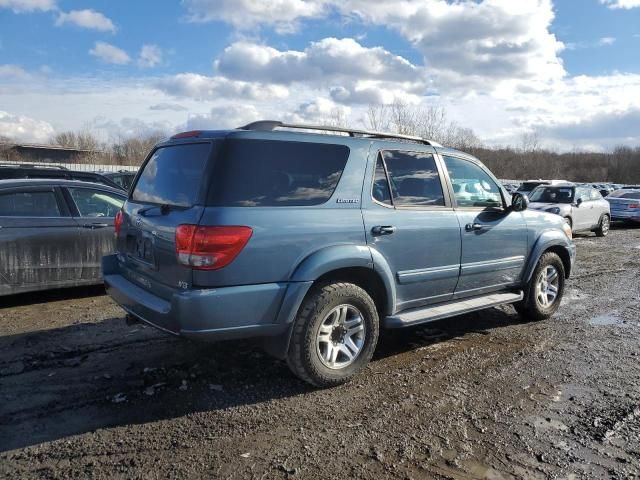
470,227
93,226
383,230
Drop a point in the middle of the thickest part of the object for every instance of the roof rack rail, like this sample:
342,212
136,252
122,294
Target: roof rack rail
270,125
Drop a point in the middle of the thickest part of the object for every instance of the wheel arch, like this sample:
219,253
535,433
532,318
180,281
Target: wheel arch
549,241
356,264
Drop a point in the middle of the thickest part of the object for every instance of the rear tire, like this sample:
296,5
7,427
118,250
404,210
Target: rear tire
543,294
334,334
604,226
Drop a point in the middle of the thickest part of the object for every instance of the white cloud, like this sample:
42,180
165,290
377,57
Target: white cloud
283,15
23,6
222,116
626,4
606,41
201,87
110,54
324,59
601,42
150,56
13,72
89,19
22,128
175,107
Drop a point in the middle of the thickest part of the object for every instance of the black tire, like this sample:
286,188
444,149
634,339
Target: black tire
604,226
304,356
531,307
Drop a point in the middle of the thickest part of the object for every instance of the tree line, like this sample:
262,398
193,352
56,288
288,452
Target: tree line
527,160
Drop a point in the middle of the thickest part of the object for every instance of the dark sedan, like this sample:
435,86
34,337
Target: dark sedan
54,233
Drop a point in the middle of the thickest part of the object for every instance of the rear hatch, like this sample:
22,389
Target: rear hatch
166,194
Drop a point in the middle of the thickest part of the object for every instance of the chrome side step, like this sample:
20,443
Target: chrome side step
432,313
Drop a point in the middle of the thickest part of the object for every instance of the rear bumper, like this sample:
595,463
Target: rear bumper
205,314
630,215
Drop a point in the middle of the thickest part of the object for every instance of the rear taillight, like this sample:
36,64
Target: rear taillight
117,223
210,248
634,205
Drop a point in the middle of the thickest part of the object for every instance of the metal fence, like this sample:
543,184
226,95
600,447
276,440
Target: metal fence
81,167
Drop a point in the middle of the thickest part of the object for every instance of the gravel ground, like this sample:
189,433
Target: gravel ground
485,395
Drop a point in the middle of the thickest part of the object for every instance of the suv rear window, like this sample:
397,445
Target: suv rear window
268,173
172,176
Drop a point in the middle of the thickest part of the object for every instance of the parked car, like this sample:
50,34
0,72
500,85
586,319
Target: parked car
123,178
526,187
630,187
582,207
269,233
625,205
54,233
603,188
31,170
510,187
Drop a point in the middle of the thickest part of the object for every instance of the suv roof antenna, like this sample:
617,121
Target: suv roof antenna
270,125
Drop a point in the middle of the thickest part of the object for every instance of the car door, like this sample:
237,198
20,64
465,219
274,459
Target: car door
583,209
410,221
600,206
494,237
94,210
38,239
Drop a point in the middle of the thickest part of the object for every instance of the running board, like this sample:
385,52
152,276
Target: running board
432,313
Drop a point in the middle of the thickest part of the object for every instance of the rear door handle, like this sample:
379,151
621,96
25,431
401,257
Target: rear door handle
383,230
93,226
470,227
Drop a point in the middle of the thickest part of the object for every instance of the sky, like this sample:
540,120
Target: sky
566,70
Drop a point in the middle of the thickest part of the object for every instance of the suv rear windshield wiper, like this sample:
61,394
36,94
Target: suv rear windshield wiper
164,209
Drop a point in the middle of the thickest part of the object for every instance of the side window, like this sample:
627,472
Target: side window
583,194
595,195
380,190
414,179
472,187
29,204
96,203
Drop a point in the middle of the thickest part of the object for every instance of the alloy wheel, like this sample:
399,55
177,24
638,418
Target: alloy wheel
547,286
340,337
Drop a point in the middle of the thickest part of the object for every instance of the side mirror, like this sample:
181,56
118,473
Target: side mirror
578,202
519,202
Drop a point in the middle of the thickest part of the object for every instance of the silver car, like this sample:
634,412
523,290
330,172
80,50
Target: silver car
582,206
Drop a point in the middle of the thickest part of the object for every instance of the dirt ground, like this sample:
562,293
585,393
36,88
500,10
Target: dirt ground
485,395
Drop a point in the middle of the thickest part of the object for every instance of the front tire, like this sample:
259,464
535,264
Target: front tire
544,291
604,226
334,334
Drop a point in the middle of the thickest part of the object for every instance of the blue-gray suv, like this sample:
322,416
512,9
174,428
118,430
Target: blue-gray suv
312,239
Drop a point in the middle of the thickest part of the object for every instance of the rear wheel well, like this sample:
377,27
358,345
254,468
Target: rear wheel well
564,256
365,278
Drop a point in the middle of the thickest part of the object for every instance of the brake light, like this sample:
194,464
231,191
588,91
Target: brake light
117,222
191,134
634,205
210,248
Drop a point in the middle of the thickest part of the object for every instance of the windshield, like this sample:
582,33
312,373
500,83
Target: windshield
528,186
552,195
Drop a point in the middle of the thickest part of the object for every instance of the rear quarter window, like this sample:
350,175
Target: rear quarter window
173,175
267,173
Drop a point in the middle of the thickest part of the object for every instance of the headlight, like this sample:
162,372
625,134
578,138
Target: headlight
567,230
555,210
